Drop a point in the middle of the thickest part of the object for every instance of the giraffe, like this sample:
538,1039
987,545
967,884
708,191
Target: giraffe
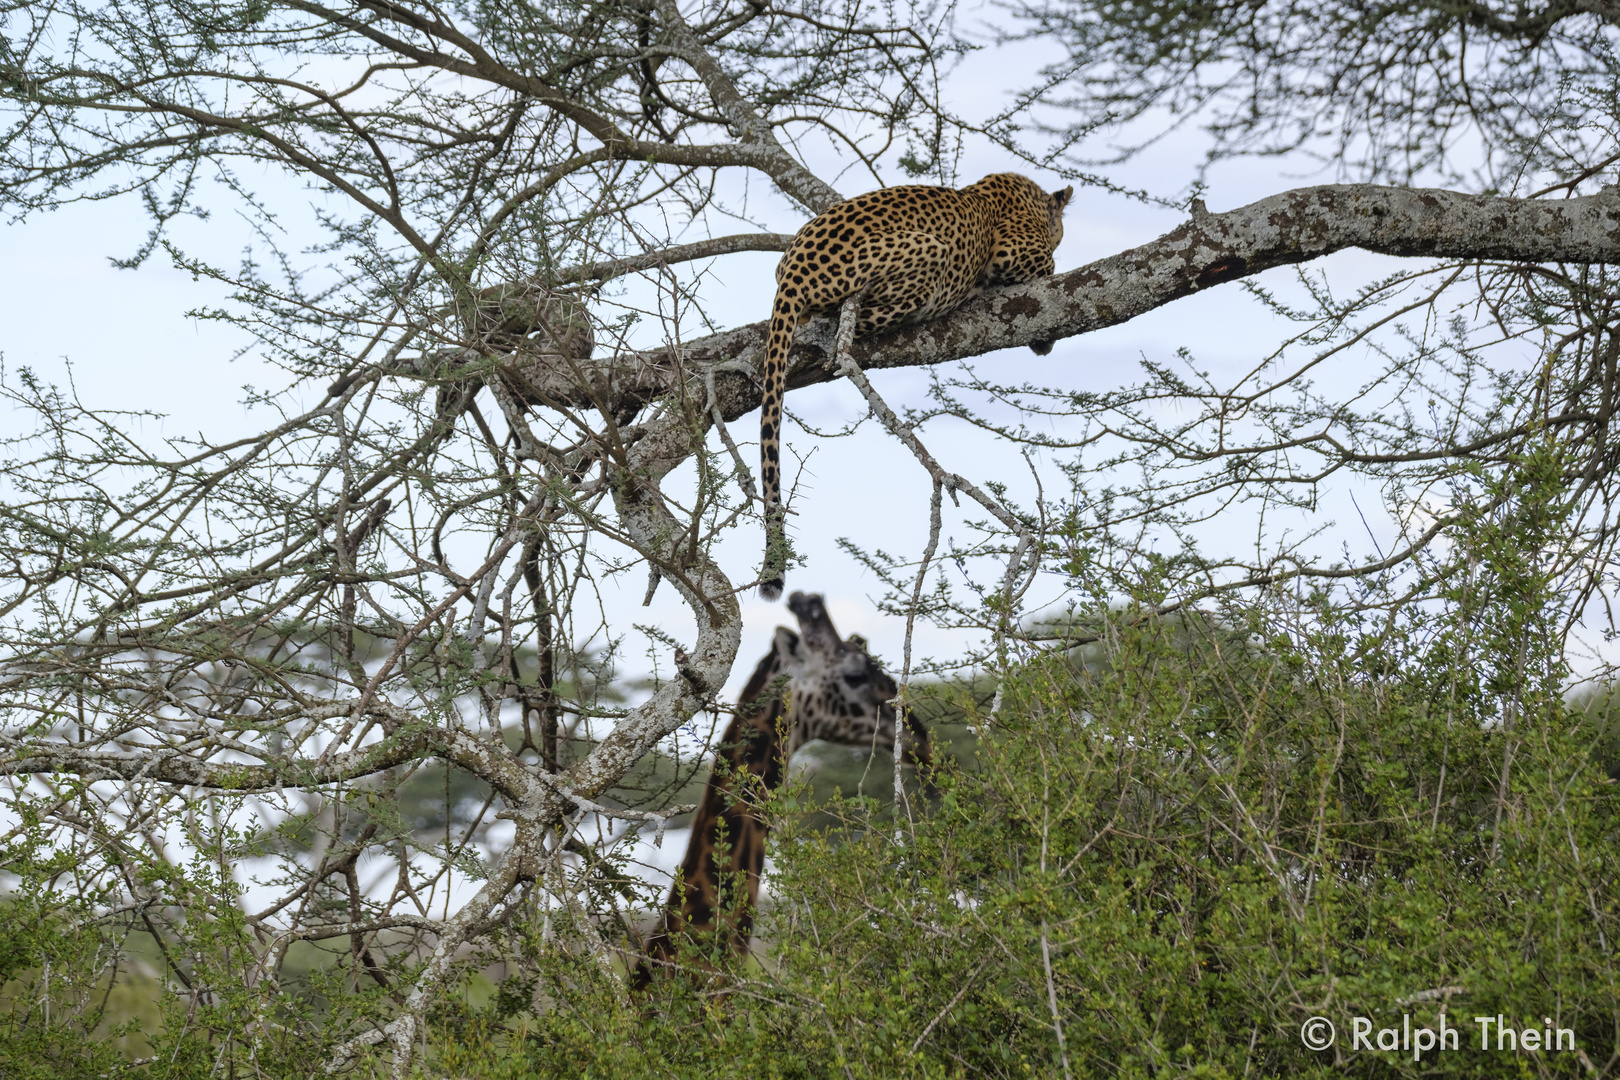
811,685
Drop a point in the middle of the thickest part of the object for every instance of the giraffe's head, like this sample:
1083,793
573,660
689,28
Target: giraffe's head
839,692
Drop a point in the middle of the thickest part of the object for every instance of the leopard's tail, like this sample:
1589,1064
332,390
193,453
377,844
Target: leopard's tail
785,314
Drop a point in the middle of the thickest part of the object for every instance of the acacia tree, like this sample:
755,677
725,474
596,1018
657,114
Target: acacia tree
254,649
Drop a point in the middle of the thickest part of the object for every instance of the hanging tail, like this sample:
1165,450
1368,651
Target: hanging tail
785,313
774,575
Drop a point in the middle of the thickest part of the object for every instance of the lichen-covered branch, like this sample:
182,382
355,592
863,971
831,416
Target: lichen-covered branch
1209,251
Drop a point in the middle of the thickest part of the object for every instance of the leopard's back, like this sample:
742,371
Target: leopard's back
913,253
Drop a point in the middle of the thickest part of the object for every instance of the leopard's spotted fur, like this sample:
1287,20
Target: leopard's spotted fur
912,253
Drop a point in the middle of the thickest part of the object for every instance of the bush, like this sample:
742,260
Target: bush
1187,840
1174,858
1175,847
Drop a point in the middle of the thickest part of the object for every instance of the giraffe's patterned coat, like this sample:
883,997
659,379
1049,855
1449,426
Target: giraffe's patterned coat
911,253
811,685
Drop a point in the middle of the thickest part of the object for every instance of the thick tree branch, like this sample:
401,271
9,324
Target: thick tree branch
702,249
1214,249
183,767
1209,250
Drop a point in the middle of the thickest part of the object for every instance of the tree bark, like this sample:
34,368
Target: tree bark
1206,251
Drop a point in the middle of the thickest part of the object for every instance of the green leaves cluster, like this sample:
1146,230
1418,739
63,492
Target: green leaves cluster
1172,848
90,992
1179,845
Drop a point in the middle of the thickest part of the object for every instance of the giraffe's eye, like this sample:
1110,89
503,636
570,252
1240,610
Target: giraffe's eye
859,679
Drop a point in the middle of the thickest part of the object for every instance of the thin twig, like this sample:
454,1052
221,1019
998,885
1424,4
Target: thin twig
949,1005
951,482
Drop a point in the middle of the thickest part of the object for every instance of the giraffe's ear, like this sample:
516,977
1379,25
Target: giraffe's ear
855,641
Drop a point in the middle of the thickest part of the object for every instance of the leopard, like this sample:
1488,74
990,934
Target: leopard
911,253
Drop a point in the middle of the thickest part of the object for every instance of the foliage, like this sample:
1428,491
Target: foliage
85,993
1176,851
323,737
1371,91
54,990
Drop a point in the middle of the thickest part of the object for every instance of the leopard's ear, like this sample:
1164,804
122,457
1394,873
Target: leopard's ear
1062,197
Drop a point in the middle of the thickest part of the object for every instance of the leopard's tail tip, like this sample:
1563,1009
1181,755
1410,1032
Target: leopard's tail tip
774,571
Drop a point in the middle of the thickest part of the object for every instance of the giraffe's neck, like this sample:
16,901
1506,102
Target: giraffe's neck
718,884
839,693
